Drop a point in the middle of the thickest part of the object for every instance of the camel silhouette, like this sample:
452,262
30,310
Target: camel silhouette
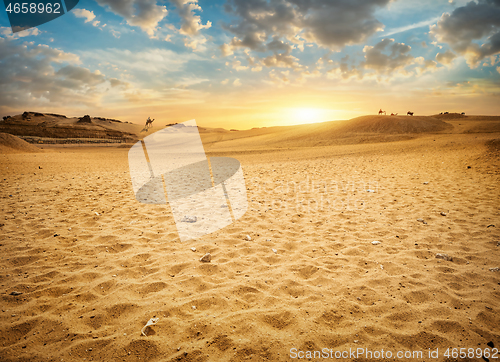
149,124
394,114
381,111
409,113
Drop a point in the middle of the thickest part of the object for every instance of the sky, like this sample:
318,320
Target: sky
255,63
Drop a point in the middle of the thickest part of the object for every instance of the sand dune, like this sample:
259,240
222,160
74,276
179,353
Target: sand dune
84,266
394,125
13,144
365,129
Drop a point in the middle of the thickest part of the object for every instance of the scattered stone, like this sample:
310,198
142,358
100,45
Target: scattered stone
194,307
469,166
114,275
426,182
15,293
442,213
495,269
370,190
96,213
422,221
190,219
444,257
490,226
375,242
248,238
382,267
84,119
274,251
147,328
193,249
206,258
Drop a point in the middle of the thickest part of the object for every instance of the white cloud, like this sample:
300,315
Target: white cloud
237,65
191,23
382,63
39,75
7,32
150,60
401,29
445,58
145,14
85,14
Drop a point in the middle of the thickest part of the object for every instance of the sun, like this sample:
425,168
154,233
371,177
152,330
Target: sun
305,115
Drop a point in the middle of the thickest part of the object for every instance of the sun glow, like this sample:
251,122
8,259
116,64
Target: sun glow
308,115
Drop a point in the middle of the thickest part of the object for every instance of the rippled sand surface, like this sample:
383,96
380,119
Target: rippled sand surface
92,265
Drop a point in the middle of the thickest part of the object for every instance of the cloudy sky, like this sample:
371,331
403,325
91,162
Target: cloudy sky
251,63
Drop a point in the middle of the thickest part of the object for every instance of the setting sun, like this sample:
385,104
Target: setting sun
308,115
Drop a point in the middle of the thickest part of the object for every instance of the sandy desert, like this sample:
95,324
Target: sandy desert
336,253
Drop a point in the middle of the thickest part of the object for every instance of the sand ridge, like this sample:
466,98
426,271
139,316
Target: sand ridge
13,144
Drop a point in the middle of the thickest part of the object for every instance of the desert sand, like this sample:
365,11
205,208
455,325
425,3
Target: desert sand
84,266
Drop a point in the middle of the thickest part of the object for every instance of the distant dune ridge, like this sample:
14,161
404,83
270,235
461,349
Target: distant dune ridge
364,129
394,125
51,125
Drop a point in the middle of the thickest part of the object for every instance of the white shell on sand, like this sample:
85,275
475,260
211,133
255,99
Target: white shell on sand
375,242
444,257
191,219
206,258
151,322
